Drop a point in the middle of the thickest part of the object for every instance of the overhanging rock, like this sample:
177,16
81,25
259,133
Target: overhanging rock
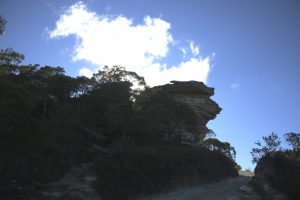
196,97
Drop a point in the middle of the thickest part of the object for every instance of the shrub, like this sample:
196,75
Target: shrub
137,170
286,175
293,139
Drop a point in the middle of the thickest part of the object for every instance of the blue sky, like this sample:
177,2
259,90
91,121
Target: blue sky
248,50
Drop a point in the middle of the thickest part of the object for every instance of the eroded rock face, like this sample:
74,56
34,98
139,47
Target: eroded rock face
196,97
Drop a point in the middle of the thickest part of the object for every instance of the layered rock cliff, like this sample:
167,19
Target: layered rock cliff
195,96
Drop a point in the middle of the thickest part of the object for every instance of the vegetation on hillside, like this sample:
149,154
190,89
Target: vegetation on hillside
280,167
142,170
50,122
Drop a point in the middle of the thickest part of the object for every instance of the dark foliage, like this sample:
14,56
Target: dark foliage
44,116
216,145
280,168
37,137
2,25
271,143
161,114
284,172
10,57
133,171
293,140
50,122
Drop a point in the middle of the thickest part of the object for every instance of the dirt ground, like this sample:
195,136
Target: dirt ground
223,190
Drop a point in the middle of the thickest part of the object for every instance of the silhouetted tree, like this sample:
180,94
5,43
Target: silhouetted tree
214,144
117,74
10,57
82,86
37,124
272,144
294,140
2,25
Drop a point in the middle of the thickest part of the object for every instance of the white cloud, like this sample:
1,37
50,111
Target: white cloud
106,40
235,86
193,69
183,51
194,49
86,72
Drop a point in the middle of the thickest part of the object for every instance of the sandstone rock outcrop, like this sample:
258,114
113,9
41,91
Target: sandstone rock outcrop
196,97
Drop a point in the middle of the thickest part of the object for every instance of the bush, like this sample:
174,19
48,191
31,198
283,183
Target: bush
129,172
271,143
286,175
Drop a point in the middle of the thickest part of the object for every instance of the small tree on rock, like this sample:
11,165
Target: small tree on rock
272,144
293,139
214,144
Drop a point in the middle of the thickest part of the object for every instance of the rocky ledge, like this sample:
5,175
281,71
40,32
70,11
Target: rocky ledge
196,97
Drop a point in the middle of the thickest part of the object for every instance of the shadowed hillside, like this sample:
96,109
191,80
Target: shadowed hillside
136,140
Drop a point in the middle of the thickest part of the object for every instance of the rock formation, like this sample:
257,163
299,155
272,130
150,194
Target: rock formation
265,174
196,97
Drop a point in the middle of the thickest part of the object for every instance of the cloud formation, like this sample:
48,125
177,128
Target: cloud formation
235,86
106,40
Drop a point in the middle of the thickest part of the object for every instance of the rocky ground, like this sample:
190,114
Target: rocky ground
230,189
78,185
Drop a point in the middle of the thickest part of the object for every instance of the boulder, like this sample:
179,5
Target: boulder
265,173
195,96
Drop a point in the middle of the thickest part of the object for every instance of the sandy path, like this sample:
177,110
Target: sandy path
223,190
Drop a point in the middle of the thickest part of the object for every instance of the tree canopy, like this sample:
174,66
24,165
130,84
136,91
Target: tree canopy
214,144
2,25
294,140
271,143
